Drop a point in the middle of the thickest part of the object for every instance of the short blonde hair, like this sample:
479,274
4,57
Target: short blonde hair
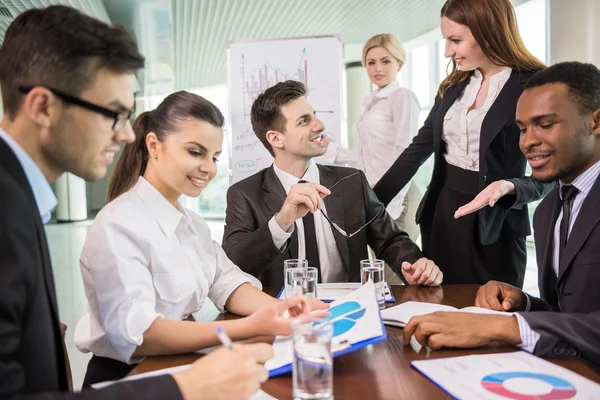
388,42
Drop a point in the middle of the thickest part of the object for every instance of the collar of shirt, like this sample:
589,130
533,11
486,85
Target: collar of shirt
287,179
585,181
44,196
167,215
380,94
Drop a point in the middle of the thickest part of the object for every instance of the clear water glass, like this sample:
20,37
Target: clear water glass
373,270
288,278
312,372
304,281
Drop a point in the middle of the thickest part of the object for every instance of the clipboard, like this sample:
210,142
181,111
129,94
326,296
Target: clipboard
342,347
350,286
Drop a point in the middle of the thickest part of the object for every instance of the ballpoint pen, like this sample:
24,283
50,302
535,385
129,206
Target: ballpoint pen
224,338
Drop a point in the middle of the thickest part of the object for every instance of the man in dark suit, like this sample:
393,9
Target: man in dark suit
67,92
298,209
559,118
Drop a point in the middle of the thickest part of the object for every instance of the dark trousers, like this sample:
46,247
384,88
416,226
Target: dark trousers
102,369
454,244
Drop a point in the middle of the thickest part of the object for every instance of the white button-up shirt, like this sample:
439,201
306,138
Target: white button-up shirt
143,259
330,259
462,128
382,132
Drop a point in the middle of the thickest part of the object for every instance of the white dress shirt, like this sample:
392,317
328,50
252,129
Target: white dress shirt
143,259
462,128
584,184
382,132
330,260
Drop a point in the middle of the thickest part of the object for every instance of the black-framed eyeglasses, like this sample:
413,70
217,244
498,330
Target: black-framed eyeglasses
120,118
336,226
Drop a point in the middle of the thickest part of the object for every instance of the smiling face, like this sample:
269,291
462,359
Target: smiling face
557,140
461,46
186,159
381,66
302,135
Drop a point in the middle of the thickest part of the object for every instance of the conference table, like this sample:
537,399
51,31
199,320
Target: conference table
383,370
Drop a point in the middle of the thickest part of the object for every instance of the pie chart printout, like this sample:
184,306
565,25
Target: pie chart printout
350,312
555,388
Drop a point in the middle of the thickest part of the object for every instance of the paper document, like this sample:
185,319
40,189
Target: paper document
333,291
400,315
517,375
260,395
356,321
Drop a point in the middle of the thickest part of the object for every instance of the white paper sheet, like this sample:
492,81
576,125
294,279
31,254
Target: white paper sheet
400,315
517,375
366,327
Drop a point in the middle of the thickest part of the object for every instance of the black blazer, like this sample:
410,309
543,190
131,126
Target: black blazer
252,202
32,361
500,158
572,328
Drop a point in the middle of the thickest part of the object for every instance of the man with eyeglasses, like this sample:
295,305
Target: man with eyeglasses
67,92
298,209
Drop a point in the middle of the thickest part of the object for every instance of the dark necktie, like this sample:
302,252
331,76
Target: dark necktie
310,241
568,193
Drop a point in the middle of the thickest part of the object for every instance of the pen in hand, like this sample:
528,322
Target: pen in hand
224,338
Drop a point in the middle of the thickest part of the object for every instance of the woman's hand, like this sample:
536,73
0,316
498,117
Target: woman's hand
276,318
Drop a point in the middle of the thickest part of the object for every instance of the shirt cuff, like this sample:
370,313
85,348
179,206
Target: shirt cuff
280,237
529,337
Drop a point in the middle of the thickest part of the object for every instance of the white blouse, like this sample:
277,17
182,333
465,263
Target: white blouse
462,128
143,259
382,132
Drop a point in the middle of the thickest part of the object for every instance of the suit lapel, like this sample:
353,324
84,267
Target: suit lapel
587,219
499,113
334,204
274,199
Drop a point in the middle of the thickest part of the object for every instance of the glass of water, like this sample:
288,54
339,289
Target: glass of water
373,270
304,281
288,278
313,362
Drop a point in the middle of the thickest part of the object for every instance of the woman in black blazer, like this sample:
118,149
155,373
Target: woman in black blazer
472,132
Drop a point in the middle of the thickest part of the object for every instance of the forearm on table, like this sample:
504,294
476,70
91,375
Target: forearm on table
246,299
166,336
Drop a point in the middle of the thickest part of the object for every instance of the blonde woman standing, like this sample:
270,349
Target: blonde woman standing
386,126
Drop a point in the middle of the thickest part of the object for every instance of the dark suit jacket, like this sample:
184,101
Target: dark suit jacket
572,327
252,202
500,158
32,361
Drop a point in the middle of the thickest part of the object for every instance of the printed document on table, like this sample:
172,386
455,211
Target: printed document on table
356,323
516,375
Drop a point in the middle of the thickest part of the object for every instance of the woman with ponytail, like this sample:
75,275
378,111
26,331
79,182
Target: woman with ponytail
148,263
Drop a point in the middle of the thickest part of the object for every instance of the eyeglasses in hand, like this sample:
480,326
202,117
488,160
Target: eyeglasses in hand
336,226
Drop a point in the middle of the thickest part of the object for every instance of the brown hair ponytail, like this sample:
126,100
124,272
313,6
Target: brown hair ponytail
133,160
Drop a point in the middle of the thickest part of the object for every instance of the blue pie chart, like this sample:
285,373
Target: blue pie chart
344,324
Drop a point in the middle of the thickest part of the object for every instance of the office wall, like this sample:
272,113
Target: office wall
574,31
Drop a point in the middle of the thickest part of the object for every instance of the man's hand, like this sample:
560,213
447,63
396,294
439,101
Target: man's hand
423,272
487,197
463,330
302,199
226,373
500,296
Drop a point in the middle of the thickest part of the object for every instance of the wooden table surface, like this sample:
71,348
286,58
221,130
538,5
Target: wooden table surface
382,370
